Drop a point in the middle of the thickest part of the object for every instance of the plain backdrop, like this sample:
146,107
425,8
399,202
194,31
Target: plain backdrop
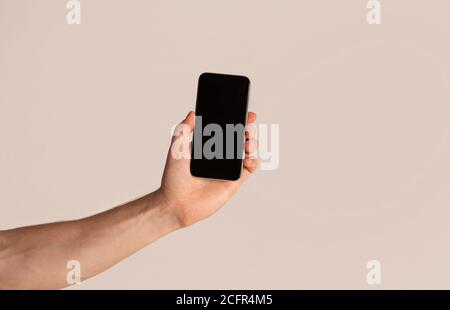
86,113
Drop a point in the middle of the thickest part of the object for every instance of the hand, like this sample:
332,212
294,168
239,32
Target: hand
192,199
35,257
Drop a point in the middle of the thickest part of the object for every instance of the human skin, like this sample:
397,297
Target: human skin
35,257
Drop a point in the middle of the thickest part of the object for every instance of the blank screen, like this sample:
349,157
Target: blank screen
221,104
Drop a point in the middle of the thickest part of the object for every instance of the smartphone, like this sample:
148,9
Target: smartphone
219,132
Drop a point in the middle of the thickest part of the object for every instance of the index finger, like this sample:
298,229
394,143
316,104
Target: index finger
251,117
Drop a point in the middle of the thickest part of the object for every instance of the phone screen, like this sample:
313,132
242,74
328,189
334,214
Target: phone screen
219,133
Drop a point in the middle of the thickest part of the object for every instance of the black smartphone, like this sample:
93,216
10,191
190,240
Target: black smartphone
220,120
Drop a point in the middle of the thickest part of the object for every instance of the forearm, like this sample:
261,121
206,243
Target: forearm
36,256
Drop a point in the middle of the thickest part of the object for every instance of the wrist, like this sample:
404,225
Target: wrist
165,210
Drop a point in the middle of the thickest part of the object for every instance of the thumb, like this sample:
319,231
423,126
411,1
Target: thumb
180,146
189,120
185,127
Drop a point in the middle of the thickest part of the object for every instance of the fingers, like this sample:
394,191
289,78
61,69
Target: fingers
250,130
251,117
250,167
251,145
184,129
251,161
251,164
189,120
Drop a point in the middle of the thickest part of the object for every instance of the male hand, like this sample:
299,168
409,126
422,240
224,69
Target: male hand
192,199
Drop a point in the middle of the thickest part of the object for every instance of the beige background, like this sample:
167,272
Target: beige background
86,113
